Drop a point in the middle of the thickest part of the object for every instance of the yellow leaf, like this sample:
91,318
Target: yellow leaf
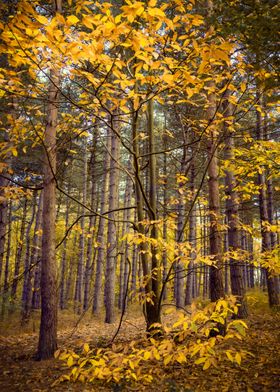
72,19
167,359
238,358
70,361
86,348
42,19
243,87
152,3
207,364
147,355
230,357
200,360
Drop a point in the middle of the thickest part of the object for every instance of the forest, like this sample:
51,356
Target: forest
139,195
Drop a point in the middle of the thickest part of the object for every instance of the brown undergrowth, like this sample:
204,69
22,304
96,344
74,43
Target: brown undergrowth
259,372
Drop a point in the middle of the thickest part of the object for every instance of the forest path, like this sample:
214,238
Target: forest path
20,373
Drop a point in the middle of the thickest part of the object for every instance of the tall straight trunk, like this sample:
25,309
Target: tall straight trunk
7,260
151,309
153,204
81,259
232,213
27,250
272,282
3,221
191,274
111,259
69,290
33,265
124,251
101,237
225,249
164,217
62,298
134,271
215,238
19,252
47,344
91,228
179,286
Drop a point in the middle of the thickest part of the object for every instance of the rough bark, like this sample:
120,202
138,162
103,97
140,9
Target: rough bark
27,255
151,309
81,259
272,281
35,255
101,237
232,212
112,249
62,297
47,344
19,251
89,252
191,274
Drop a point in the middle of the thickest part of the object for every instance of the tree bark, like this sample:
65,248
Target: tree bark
272,282
232,211
47,344
112,249
101,237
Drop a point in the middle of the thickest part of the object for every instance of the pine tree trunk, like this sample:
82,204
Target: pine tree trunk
151,310
111,259
232,211
81,260
89,253
215,238
191,274
7,260
47,344
3,221
27,256
19,252
33,265
272,282
101,237
62,297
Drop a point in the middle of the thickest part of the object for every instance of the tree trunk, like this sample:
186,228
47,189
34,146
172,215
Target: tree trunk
49,299
101,237
19,251
232,211
112,248
272,282
151,309
62,296
3,221
191,273
33,265
81,260
91,229
27,257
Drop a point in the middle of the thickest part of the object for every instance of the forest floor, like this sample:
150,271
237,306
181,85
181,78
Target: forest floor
20,372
